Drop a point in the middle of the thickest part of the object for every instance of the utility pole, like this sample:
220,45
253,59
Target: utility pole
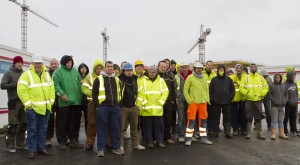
105,42
201,44
24,21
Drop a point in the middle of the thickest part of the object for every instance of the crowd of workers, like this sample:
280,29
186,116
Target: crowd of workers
160,103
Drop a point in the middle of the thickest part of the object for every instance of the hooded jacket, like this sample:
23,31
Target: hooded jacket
292,89
67,82
83,97
221,88
88,81
129,86
278,93
236,82
9,82
111,90
180,79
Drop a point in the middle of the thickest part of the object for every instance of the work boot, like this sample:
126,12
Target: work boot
139,147
194,139
282,134
31,155
249,130
100,153
89,147
181,140
161,145
188,143
259,131
273,135
169,141
63,146
150,145
75,143
48,143
118,152
204,140
11,148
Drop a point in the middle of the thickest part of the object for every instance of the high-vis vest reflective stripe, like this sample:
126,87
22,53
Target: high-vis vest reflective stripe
102,96
154,92
90,87
178,82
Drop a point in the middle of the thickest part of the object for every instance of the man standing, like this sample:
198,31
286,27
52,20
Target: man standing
221,92
54,64
130,111
196,93
86,89
291,106
238,118
151,97
173,67
266,100
181,101
106,97
169,106
254,87
36,91
83,70
209,73
67,84
16,116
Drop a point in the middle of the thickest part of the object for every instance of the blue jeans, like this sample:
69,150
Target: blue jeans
36,130
277,117
150,124
108,117
182,118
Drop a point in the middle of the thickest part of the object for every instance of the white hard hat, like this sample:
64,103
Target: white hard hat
198,64
184,64
36,58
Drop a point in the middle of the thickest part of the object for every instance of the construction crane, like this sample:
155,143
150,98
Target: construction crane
201,44
24,20
105,43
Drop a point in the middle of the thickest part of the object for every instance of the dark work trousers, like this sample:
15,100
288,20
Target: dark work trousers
267,106
50,129
216,113
209,123
290,115
68,123
167,116
150,124
84,106
174,118
253,110
238,118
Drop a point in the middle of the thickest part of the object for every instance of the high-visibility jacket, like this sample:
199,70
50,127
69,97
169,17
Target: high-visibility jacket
102,96
152,96
88,81
208,78
298,84
237,81
140,78
196,90
36,91
254,87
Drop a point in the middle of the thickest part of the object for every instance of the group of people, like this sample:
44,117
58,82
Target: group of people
157,103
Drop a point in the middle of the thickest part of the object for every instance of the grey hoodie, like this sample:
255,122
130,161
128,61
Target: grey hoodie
9,82
278,93
292,89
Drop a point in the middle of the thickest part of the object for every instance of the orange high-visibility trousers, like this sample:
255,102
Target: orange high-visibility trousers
192,110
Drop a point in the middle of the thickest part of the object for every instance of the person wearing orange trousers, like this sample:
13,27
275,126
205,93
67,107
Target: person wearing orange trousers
196,92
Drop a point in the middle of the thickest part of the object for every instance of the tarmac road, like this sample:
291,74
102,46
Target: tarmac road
223,151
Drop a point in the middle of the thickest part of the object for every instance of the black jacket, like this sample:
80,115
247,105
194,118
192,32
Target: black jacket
221,89
111,94
130,87
277,93
292,89
171,84
84,99
9,82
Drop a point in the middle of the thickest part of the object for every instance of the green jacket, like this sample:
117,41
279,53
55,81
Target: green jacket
196,90
254,87
237,81
67,82
36,91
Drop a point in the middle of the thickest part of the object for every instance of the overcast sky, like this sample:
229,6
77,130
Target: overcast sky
262,31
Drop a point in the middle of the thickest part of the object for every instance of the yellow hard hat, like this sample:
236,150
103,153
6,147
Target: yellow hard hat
138,62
